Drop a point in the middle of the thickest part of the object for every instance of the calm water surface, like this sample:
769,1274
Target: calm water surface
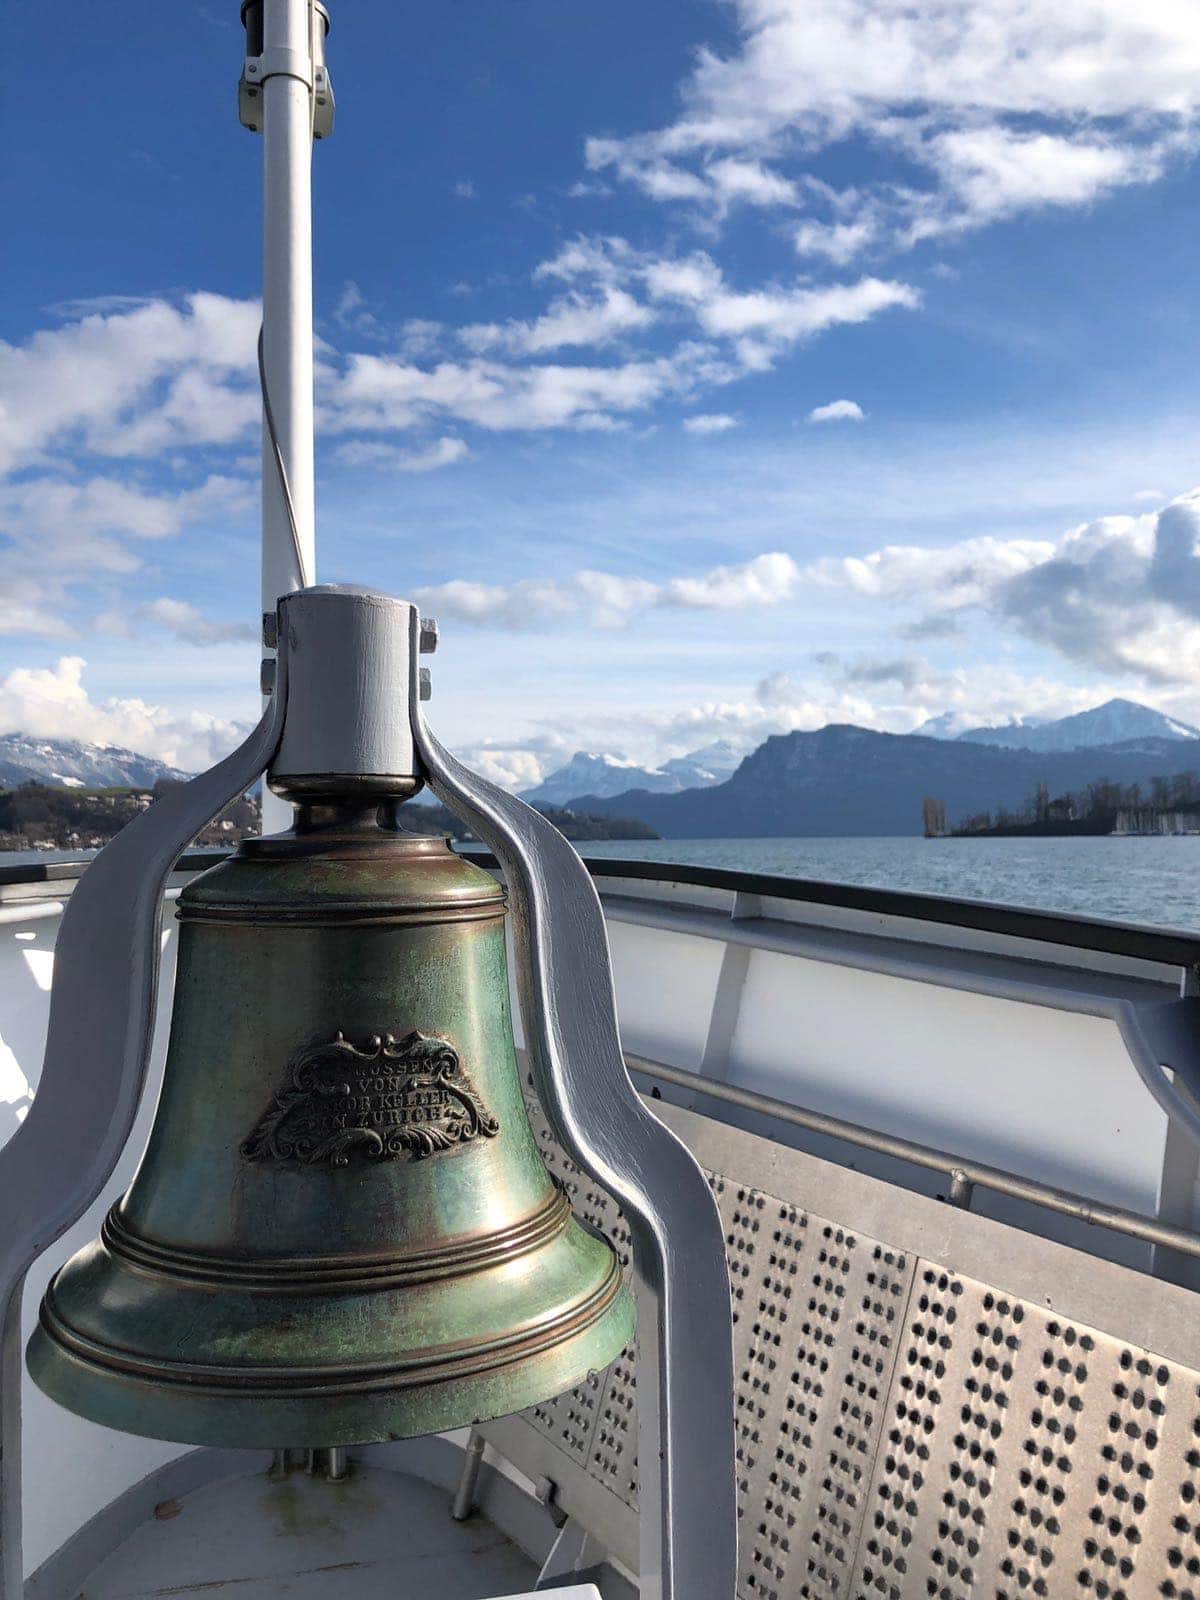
1150,881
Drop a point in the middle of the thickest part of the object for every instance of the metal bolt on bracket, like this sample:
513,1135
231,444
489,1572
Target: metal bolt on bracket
426,684
428,636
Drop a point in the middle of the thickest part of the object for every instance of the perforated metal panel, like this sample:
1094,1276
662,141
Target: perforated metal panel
906,1428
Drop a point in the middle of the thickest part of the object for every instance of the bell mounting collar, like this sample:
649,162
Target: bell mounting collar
349,652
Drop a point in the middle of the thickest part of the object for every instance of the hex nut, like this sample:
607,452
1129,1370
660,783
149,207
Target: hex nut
425,685
428,640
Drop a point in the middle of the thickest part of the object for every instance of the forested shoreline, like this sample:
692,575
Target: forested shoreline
1167,805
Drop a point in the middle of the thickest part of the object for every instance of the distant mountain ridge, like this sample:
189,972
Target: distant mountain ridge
73,765
1115,722
839,779
852,781
598,774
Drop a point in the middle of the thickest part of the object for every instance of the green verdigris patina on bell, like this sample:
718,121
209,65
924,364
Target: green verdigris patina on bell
341,1230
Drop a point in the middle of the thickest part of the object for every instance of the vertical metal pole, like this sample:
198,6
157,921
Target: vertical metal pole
287,321
464,1495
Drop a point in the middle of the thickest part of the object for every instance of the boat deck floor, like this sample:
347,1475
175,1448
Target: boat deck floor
377,1533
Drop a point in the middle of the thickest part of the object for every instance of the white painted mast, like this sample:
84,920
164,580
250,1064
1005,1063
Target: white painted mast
285,94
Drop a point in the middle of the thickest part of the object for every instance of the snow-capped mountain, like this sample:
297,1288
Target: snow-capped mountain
1115,722
598,774
713,763
71,765
588,772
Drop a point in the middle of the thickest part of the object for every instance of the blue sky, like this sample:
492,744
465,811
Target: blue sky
709,370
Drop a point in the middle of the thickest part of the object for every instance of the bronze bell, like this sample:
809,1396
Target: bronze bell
341,1230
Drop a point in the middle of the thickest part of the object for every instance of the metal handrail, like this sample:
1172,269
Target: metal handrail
964,1175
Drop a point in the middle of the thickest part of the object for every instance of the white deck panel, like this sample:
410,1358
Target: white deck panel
377,1535
1030,1088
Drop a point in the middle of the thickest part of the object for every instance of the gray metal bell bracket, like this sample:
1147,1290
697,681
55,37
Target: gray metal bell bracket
97,1051
688,1527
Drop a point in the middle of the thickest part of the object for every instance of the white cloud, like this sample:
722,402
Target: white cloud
1120,594
952,576
749,181
513,768
130,381
380,394
33,605
1149,495
60,514
62,535
1005,105
838,411
711,422
53,703
838,242
783,316
442,452
765,581
758,325
421,337
571,320
996,173
898,694
182,619
606,600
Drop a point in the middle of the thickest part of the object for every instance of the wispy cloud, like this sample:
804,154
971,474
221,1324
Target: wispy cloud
607,600
62,535
189,625
573,320
710,422
838,411
444,452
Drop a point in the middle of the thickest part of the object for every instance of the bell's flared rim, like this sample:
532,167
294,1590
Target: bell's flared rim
464,1358
525,1369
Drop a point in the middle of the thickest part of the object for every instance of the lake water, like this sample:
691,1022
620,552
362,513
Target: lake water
1155,881
1150,881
